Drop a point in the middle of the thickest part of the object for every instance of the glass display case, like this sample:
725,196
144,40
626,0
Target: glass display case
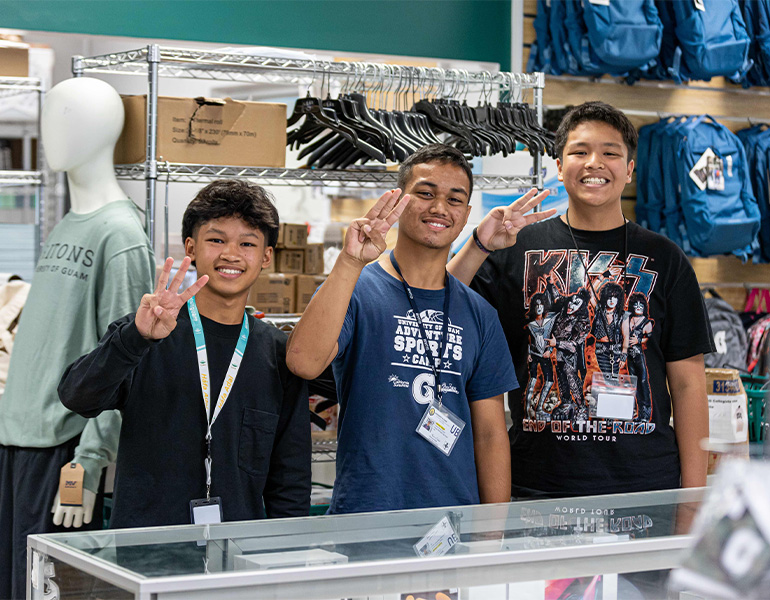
487,551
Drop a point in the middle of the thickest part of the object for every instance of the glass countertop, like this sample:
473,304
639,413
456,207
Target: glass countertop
580,524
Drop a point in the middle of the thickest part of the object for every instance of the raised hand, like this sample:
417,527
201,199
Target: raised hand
365,239
500,227
157,312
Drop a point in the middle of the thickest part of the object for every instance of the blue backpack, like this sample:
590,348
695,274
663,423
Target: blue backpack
756,141
719,209
540,51
756,16
712,38
621,35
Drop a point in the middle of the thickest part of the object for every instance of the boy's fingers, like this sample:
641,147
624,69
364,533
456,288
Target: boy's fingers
533,202
377,239
194,288
539,216
395,214
391,202
164,274
375,210
176,283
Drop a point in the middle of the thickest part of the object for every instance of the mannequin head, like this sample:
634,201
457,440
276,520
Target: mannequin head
82,118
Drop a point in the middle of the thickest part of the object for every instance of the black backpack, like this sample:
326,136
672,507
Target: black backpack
729,335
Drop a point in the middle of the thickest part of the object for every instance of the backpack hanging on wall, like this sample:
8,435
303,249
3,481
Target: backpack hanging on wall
756,17
712,39
621,35
720,213
540,51
730,338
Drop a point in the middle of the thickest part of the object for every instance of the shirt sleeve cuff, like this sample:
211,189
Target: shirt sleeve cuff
132,341
92,471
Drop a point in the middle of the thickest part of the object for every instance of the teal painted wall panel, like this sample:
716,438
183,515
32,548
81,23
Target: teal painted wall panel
459,29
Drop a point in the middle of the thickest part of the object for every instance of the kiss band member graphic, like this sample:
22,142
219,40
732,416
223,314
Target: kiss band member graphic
639,329
540,351
609,330
570,328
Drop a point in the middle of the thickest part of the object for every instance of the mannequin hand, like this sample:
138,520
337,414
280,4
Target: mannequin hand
157,312
500,227
365,239
74,516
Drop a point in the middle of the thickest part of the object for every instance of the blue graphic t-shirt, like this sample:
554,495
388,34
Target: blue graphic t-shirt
384,384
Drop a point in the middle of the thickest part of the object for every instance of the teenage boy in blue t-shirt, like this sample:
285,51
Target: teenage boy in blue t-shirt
420,360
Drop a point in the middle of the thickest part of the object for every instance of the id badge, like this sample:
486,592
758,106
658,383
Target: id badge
441,427
612,397
441,538
204,511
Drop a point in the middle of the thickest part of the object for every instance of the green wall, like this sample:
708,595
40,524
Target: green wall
459,29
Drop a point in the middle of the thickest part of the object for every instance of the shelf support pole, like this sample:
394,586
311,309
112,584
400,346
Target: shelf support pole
151,163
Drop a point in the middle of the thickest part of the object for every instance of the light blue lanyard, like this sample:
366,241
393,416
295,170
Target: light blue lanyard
203,368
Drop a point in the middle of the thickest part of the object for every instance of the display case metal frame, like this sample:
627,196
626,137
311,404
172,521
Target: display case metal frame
156,61
13,86
376,577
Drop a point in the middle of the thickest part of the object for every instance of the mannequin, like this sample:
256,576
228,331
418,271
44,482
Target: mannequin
94,268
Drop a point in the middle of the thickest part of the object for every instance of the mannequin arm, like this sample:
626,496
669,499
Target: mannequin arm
74,516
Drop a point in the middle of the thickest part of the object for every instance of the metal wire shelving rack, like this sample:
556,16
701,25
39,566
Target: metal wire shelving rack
156,61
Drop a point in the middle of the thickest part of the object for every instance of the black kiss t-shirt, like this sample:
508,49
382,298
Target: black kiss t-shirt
638,318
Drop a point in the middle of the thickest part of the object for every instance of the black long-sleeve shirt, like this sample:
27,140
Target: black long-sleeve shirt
261,438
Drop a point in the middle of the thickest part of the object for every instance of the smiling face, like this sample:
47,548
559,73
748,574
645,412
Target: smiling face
439,207
594,165
231,253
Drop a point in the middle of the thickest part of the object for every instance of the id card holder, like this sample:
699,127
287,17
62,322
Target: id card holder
612,397
204,511
441,427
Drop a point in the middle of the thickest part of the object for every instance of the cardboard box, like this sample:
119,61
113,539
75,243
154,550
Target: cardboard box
14,59
206,131
306,287
273,293
292,235
289,261
314,259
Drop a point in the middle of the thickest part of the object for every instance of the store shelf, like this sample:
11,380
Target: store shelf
222,66
187,173
12,86
324,451
20,178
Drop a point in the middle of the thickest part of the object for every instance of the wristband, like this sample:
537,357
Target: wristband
478,242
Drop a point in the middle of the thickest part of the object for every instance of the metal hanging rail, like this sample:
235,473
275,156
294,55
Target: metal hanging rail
204,64
187,173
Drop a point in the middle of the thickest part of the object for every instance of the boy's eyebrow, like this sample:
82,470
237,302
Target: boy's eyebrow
220,232
432,185
610,144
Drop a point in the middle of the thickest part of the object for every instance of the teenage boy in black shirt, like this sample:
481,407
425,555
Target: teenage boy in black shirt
147,366
559,451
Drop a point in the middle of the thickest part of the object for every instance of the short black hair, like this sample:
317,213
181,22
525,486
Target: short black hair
441,153
603,113
233,198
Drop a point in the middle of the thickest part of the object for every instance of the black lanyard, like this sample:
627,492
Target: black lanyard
585,265
445,328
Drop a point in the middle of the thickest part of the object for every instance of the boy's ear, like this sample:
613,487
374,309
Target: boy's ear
630,170
267,257
558,170
189,248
